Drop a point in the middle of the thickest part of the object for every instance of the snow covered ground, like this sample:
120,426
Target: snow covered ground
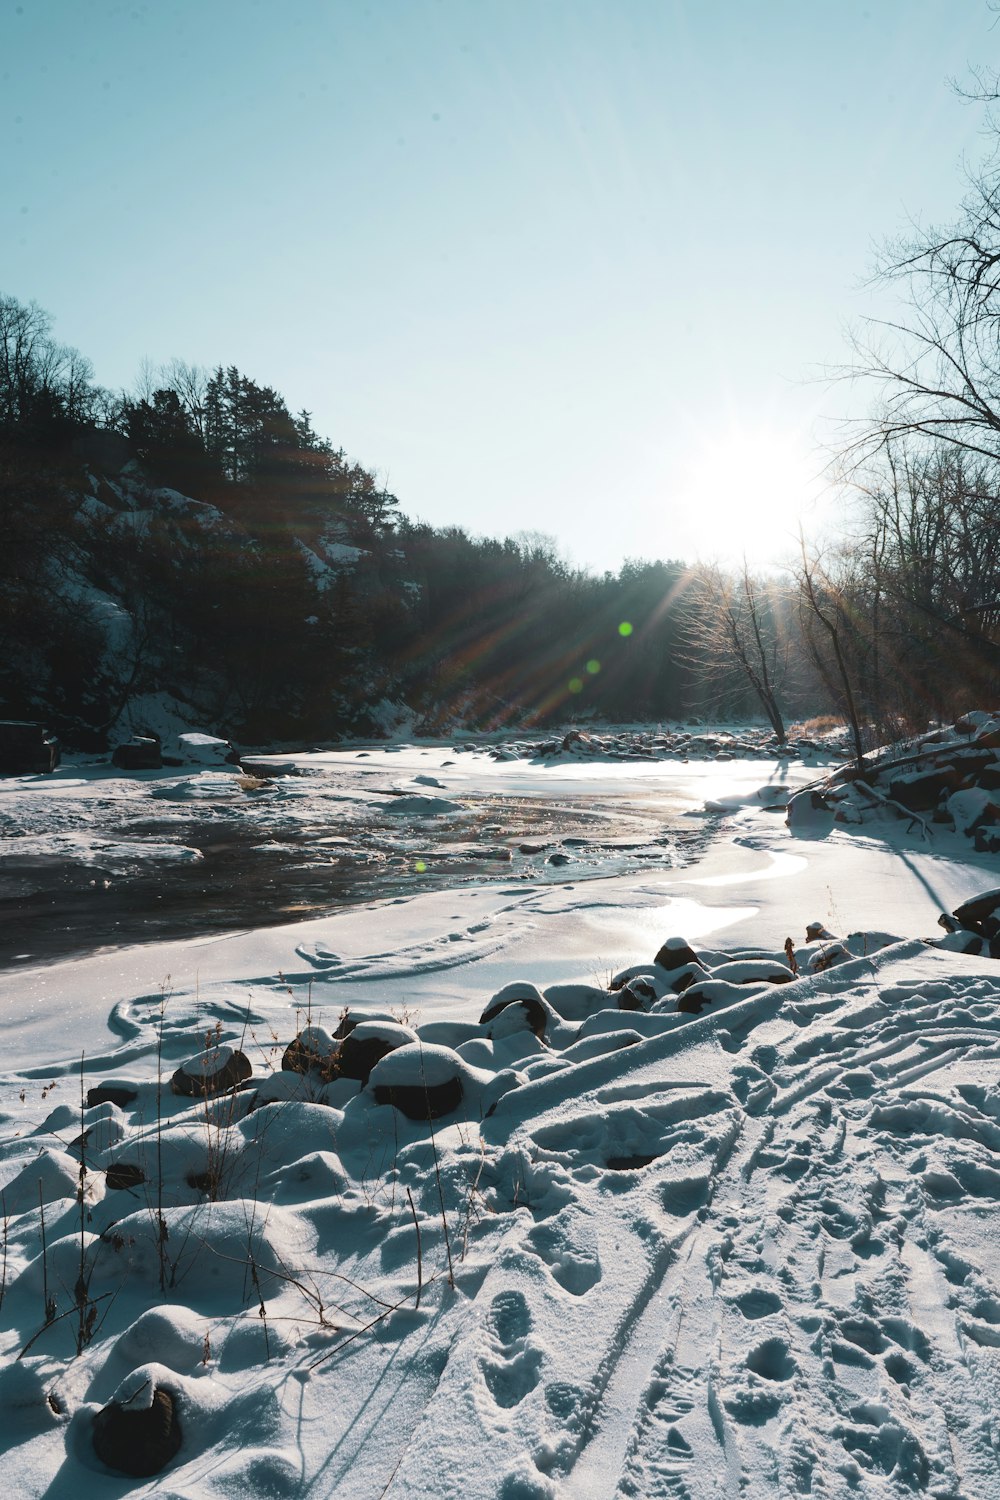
624,1236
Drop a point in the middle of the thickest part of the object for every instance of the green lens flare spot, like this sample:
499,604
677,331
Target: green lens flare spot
593,666
420,866
576,684
625,628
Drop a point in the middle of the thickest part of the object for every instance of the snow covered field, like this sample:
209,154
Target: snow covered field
606,1241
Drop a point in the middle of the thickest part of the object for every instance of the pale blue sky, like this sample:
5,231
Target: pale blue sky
561,265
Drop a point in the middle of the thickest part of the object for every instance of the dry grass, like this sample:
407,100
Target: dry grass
819,724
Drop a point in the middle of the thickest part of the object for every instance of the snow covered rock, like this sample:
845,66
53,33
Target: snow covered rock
215,1071
423,1082
981,914
314,1050
367,1043
532,1005
713,993
139,1431
123,1175
676,953
637,994
753,970
141,753
203,750
112,1093
815,931
948,778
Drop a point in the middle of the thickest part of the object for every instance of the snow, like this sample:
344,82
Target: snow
746,1248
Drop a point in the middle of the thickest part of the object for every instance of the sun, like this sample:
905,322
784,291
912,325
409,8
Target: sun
746,491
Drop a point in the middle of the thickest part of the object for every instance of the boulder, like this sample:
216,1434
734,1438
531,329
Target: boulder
637,994
815,931
136,1438
367,1043
422,1081
752,971
981,914
215,1071
827,956
419,1101
676,953
121,1175
27,748
534,1010
111,1093
921,791
141,753
314,1050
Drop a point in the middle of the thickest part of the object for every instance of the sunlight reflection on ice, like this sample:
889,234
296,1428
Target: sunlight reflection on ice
683,916
781,864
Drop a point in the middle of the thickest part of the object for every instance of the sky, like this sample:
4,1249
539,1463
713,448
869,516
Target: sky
569,266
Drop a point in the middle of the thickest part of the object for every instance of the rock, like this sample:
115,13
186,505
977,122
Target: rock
558,858
535,1012
205,750
422,1101
981,914
637,994
314,1050
962,941
111,1093
752,971
367,1043
825,958
213,1072
123,1174
135,1439
422,1081
815,931
141,753
919,792
693,1001
676,953
352,1018
26,748
681,978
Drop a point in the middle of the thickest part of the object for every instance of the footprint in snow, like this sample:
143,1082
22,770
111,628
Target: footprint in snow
508,1320
318,954
758,1303
515,1373
568,1246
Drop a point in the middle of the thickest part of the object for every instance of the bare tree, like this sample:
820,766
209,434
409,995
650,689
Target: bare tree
735,621
937,366
826,612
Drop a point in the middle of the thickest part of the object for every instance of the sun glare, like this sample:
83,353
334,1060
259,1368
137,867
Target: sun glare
746,492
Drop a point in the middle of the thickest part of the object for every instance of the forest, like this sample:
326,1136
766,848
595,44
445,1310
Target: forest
195,538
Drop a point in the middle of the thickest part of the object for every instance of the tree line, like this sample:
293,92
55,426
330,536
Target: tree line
295,595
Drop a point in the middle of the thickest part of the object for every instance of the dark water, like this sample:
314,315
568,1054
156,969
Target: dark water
54,908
